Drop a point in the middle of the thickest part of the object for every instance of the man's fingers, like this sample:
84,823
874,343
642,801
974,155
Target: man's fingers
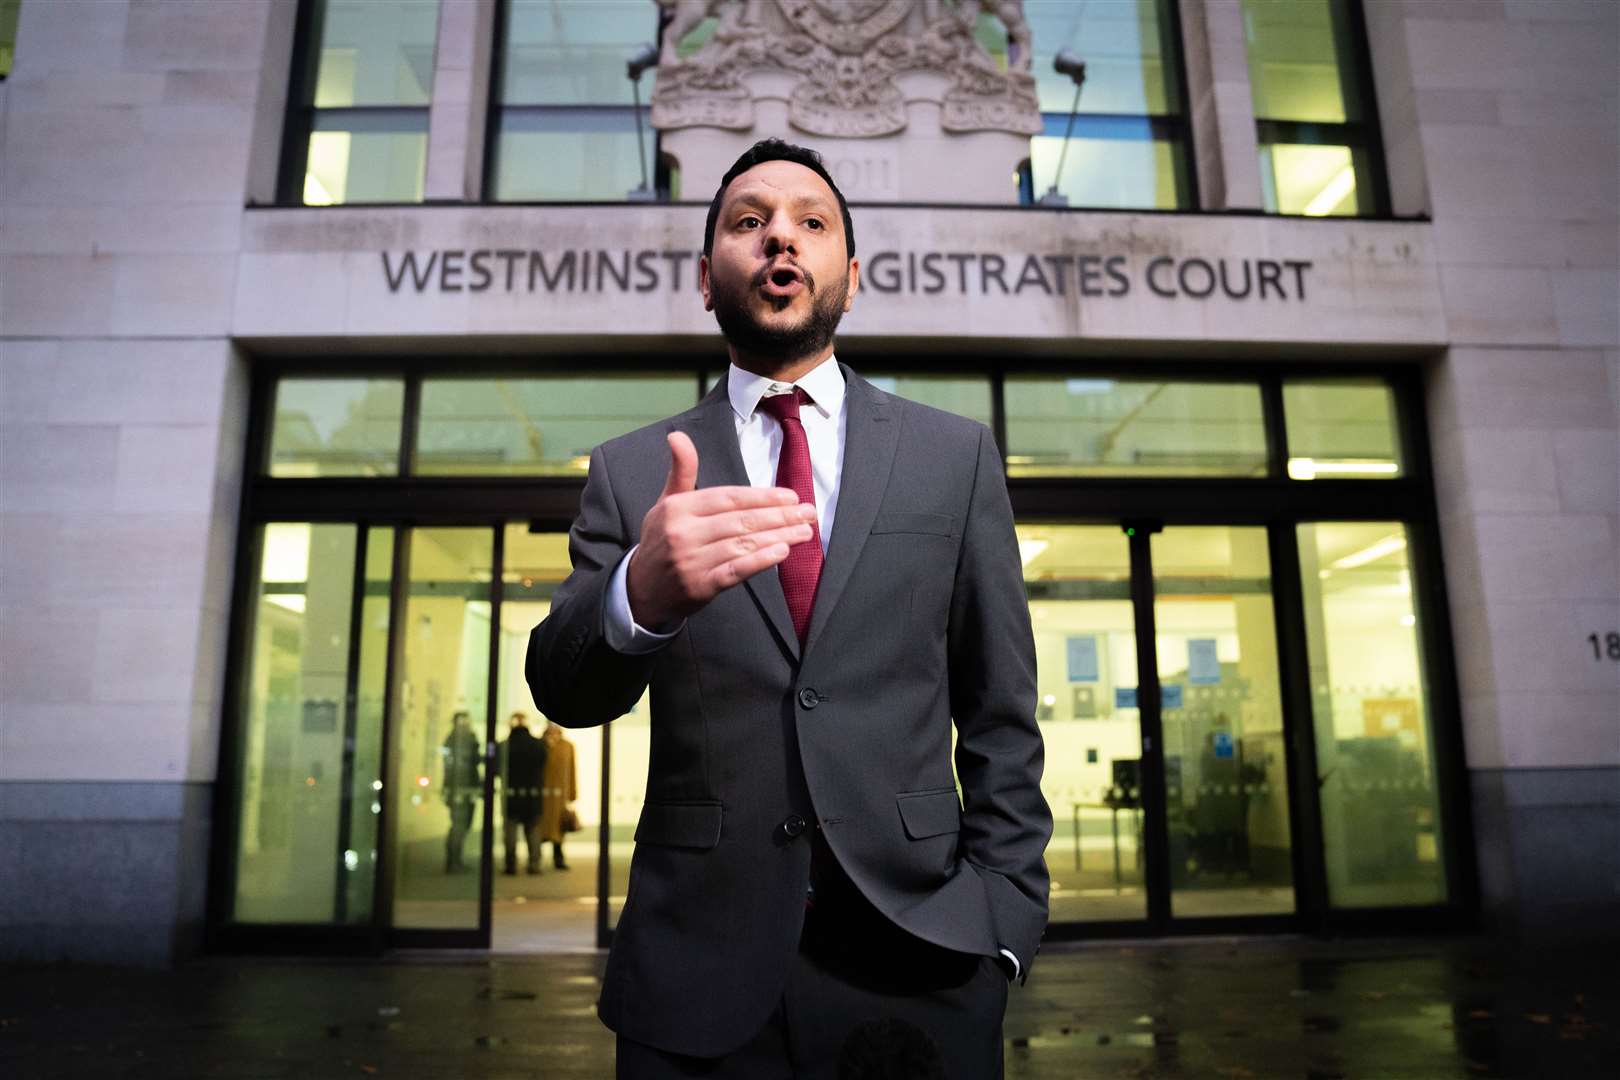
719,500
735,571
713,528
733,547
683,465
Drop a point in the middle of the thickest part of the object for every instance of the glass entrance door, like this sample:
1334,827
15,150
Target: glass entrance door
1225,759
477,855
438,847
1170,800
1078,578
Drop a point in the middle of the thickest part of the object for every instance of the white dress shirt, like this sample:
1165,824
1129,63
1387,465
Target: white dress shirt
759,437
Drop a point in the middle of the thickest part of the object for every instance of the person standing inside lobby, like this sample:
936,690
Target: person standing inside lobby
523,777
558,793
815,579
463,787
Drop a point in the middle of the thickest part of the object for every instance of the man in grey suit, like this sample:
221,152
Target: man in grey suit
806,884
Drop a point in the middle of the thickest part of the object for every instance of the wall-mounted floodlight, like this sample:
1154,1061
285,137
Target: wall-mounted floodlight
637,65
1065,63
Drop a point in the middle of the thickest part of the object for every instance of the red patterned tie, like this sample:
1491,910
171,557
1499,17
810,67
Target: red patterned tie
801,570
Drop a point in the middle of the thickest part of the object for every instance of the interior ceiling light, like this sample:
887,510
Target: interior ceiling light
1304,468
1332,193
1371,553
1030,550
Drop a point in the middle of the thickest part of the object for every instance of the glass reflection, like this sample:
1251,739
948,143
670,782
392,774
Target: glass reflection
565,124
568,156
1109,164
336,427
374,52
440,730
1315,181
539,426
969,397
1225,758
1077,578
8,34
1297,63
1127,47
366,166
1133,427
365,94
1127,149
1369,702
291,836
1341,428
548,908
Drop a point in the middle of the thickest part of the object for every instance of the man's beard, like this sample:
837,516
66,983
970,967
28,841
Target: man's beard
807,337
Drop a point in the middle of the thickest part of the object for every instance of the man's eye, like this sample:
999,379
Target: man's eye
815,223
749,222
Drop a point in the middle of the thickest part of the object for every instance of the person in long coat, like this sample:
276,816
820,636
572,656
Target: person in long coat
558,791
523,770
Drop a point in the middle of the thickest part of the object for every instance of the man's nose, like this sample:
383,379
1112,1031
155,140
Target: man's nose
779,235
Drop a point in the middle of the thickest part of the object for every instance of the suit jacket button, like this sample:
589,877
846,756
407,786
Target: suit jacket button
809,698
792,828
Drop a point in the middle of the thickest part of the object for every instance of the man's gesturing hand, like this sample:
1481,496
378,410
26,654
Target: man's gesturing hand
696,544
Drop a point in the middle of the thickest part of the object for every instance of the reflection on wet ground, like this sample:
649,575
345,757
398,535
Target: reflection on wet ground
1225,1009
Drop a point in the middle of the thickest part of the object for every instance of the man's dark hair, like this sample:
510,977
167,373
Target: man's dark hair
777,150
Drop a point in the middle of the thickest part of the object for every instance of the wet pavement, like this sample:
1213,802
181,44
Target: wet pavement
1221,1009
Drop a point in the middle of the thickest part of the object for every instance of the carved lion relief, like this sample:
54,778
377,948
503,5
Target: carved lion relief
846,55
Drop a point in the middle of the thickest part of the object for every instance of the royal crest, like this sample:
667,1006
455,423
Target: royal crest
845,55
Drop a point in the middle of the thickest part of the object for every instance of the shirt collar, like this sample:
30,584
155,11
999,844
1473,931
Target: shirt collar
824,383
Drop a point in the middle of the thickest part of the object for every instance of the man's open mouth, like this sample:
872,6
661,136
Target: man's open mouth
783,281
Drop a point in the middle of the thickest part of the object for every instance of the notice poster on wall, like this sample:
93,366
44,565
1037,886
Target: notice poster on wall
1083,659
1203,665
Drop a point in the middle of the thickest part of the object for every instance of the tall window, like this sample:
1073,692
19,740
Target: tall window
565,119
1319,151
357,128
1129,144
8,34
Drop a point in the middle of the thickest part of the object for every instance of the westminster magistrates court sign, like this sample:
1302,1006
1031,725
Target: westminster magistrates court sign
941,278
928,273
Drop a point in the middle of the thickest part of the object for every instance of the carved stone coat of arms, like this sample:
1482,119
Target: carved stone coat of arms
846,62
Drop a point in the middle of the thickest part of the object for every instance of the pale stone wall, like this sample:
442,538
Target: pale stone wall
127,133
1501,119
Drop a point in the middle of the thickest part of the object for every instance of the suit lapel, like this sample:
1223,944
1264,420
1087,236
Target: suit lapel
713,430
870,438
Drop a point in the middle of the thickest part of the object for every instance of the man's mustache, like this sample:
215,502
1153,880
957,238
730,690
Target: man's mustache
763,275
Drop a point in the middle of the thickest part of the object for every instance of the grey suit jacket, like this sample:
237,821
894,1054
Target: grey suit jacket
920,619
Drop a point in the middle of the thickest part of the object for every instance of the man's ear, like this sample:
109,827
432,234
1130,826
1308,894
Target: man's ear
854,283
703,282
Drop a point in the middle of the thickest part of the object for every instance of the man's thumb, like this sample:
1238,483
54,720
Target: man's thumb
683,465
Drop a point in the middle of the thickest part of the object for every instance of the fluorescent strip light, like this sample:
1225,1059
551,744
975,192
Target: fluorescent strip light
1333,193
1304,468
1372,553
1030,550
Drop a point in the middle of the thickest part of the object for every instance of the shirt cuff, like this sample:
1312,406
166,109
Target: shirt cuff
620,628
1017,967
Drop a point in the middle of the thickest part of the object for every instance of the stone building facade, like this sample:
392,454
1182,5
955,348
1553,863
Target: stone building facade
156,281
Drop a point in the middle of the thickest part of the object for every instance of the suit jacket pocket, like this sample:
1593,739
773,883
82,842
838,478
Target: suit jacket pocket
684,824
932,524
930,813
